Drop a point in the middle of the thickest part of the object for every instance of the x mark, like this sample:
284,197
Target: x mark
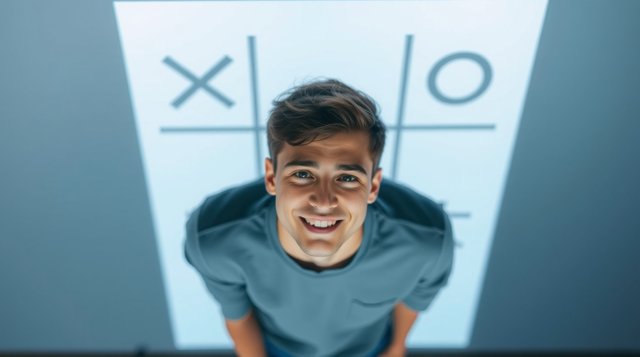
199,83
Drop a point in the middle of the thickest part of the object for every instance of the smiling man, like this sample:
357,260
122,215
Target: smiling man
321,257
322,192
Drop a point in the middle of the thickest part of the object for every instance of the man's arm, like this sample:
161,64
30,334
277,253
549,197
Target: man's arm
403,319
246,336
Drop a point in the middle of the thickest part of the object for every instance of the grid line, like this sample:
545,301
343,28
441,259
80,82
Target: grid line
254,93
429,127
403,91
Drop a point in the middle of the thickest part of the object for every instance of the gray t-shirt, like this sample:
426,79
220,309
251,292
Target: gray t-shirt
406,256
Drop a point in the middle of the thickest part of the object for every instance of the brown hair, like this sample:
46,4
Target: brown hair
320,109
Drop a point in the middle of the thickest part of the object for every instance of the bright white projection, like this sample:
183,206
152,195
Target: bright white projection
450,77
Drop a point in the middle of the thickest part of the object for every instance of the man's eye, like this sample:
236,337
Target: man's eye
348,178
302,174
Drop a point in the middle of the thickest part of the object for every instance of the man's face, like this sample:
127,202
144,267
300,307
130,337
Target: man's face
322,190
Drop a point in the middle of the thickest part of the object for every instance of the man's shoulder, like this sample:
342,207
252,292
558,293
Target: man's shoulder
215,226
418,225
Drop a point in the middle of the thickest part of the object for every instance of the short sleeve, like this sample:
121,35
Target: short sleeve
226,285
436,276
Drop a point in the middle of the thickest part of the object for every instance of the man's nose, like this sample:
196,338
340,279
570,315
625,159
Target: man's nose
323,198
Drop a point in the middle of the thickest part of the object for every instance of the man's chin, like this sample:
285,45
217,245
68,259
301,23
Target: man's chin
318,252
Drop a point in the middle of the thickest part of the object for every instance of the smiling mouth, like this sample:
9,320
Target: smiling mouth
320,226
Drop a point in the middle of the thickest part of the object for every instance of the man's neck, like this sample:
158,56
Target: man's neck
311,266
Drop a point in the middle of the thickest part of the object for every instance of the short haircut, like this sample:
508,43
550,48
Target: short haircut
320,109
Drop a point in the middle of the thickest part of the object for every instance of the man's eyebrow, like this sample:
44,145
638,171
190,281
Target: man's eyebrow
302,163
352,167
344,167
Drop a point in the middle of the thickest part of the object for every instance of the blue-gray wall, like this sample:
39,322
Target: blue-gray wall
78,262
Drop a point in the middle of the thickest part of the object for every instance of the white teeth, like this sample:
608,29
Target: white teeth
321,224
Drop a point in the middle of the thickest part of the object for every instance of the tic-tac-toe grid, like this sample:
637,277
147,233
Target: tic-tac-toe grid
450,78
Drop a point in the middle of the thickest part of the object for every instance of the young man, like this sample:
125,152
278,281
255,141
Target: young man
329,261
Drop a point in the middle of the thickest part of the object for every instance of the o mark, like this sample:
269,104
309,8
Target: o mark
486,77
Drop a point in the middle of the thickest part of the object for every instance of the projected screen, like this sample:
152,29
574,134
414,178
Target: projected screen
450,78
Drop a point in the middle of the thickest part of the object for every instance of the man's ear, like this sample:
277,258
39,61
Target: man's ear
375,186
269,177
